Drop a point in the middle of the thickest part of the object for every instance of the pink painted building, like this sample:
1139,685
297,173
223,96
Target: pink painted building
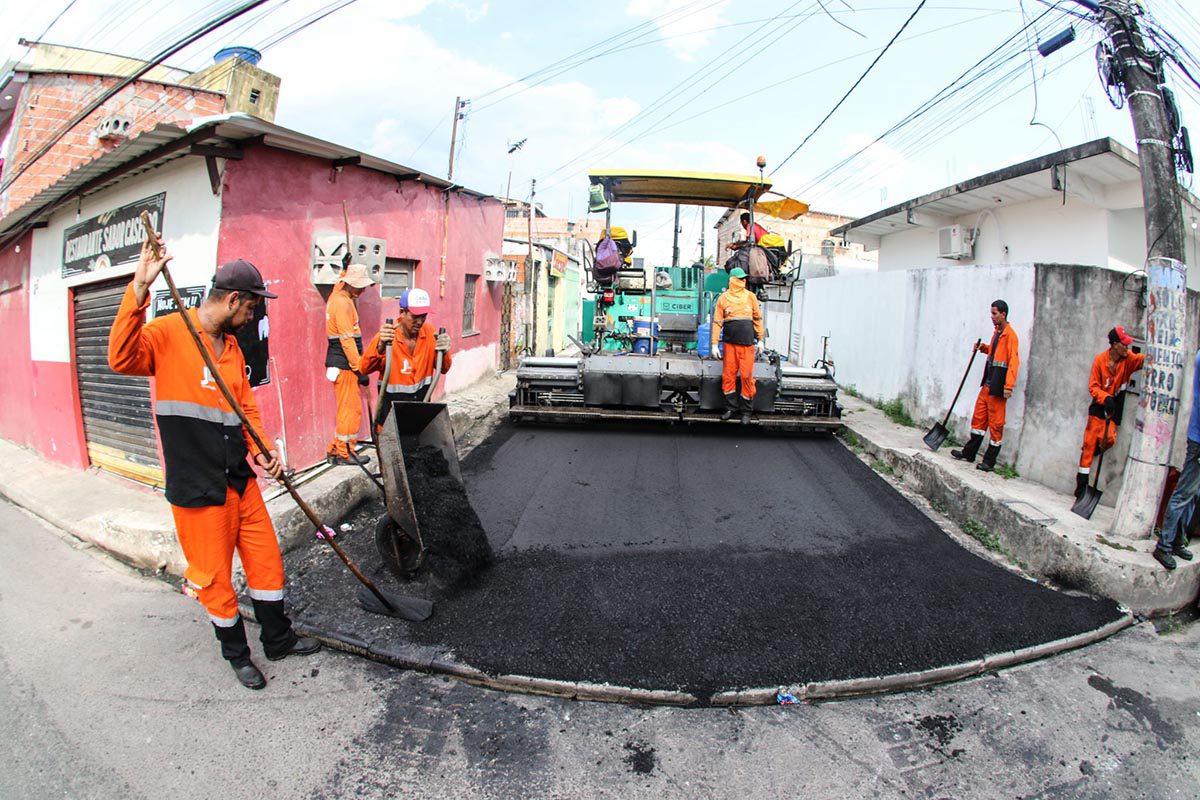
228,187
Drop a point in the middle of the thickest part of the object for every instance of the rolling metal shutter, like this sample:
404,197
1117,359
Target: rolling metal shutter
118,420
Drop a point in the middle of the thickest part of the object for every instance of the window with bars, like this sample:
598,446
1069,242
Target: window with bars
397,276
469,287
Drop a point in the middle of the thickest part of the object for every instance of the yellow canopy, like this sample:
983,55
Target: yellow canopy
694,189
685,188
786,208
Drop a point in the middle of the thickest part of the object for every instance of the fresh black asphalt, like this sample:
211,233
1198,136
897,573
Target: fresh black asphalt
697,560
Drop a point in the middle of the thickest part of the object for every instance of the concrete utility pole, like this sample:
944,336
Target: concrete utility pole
458,107
531,278
1166,315
701,234
675,243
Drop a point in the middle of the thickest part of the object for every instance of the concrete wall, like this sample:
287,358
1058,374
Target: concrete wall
907,334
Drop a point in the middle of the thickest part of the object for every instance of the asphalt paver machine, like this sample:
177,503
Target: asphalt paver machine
646,333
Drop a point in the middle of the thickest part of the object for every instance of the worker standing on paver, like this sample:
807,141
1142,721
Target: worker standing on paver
1183,500
415,346
342,362
739,316
213,492
999,377
1110,376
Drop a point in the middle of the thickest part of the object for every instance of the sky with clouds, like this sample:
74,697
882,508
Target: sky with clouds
671,84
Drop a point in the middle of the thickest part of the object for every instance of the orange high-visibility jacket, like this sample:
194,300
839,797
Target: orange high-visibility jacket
739,314
1002,354
341,329
412,371
204,444
1106,380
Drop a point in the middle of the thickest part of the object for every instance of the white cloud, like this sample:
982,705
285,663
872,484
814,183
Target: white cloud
686,23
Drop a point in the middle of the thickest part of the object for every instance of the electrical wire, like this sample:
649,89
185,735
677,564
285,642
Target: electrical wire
850,91
157,59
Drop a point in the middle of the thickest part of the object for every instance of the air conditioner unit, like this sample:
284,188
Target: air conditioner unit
954,241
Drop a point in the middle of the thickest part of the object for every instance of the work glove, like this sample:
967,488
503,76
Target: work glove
363,380
442,343
1110,405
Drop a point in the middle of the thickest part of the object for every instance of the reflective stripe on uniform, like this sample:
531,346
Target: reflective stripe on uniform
222,622
409,388
182,408
265,594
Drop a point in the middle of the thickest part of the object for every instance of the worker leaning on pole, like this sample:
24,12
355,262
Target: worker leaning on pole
1110,374
342,357
999,377
415,346
213,491
739,316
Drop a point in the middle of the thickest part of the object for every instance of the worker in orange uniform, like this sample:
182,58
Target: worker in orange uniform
342,362
999,377
414,350
1111,370
213,492
739,316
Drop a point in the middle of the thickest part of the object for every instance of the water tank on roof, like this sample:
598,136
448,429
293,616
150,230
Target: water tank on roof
248,54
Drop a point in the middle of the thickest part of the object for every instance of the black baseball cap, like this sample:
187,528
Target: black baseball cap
241,276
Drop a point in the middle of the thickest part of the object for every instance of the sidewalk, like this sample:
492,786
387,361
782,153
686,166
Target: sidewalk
1029,523
133,522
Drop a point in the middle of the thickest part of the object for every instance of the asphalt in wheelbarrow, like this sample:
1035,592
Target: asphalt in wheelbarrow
697,560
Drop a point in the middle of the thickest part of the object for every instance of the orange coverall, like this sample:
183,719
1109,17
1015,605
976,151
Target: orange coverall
412,370
214,495
989,409
1106,380
738,313
345,340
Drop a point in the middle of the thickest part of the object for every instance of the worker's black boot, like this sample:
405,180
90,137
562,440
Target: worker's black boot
1081,482
747,406
235,650
278,638
972,447
988,462
731,406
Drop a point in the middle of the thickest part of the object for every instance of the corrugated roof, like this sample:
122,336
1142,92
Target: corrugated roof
165,143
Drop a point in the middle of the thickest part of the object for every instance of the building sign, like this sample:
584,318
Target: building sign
252,337
164,304
114,237
558,265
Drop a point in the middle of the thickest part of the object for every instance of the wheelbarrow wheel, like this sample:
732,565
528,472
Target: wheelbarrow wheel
400,554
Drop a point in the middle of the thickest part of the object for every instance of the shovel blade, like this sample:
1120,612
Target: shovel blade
1085,506
413,609
937,434
408,426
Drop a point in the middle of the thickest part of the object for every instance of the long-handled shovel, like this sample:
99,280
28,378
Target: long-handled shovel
938,433
411,608
1087,502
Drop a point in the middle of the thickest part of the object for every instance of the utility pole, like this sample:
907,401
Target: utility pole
675,245
530,277
458,114
1166,318
701,234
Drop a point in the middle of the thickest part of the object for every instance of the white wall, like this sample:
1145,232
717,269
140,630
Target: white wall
191,219
908,334
1043,231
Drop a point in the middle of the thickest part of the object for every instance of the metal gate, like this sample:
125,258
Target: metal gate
506,326
118,420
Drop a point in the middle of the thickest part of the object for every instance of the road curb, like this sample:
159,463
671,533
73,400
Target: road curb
421,658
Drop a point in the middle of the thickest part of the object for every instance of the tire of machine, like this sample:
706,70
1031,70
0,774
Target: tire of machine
400,554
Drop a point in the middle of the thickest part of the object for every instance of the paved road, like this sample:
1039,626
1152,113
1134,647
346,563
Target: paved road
110,687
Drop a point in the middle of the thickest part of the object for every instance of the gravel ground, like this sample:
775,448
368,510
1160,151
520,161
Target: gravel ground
697,560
